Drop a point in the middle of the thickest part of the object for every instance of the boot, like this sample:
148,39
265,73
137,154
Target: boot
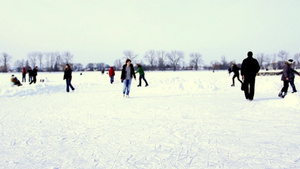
280,94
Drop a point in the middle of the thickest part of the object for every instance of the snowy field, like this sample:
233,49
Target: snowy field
182,120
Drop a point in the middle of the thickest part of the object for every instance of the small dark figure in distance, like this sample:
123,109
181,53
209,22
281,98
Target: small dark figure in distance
15,81
126,77
287,77
111,74
140,70
235,70
68,77
250,68
29,74
24,75
34,74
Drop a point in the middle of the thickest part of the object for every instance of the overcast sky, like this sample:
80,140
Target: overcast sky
100,30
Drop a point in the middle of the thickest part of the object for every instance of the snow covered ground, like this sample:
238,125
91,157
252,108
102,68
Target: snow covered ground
182,120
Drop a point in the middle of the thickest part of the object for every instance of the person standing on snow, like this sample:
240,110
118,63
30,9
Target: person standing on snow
34,74
68,77
249,69
111,74
126,77
29,74
24,75
140,70
291,77
235,69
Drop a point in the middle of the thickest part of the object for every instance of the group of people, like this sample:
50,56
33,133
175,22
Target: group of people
250,68
31,76
128,73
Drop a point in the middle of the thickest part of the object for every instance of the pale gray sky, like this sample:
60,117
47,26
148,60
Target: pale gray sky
100,30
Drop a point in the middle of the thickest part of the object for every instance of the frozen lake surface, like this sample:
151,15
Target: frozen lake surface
182,120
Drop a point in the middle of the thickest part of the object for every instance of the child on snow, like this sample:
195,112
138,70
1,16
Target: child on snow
111,74
15,80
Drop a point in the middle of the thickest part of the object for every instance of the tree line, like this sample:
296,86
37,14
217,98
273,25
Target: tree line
151,60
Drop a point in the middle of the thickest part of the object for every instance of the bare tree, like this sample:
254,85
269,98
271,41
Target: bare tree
118,64
6,60
90,66
175,57
150,57
32,57
19,64
283,55
297,59
40,58
196,60
78,66
68,57
130,55
162,56
100,66
261,59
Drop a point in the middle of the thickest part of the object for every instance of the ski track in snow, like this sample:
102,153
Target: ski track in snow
182,120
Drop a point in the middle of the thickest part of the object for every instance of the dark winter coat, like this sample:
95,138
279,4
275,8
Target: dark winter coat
29,72
250,67
111,72
68,74
123,75
235,69
34,72
286,73
291,74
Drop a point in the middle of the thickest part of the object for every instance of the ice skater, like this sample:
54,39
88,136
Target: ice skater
235,69
140,70
126,77
249,69
34,74
291,76
29,71
111,74
286,77
24,75
68,77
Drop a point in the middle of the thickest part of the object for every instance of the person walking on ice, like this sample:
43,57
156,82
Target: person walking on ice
235,70
287,77
126,77
249,69
68,77
140,70
111,74
291,76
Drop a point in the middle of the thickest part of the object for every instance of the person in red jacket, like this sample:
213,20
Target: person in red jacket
111,74
24,75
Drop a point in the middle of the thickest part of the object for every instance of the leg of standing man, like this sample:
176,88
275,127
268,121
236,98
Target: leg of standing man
293,86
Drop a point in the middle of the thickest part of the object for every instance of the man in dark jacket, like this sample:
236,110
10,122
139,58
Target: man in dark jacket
126,77
250,68
34,74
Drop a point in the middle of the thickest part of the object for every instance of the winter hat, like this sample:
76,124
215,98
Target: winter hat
290,61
